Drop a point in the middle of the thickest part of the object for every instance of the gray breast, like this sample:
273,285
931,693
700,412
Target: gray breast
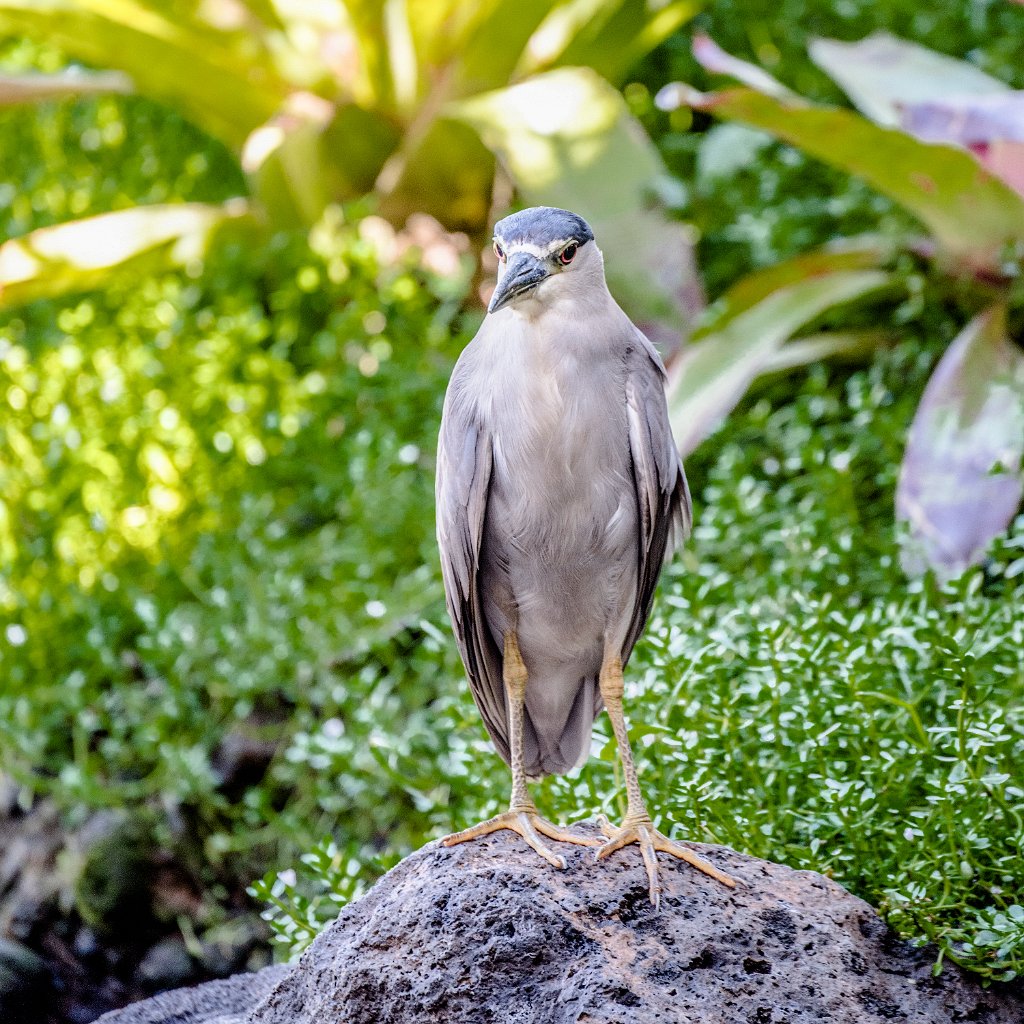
558,559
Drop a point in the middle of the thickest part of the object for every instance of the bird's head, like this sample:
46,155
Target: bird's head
543,253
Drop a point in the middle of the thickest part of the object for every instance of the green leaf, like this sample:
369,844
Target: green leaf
712,375
447,173
971,212
33,88
312,154
849,346
567,139
862,253
81,254
609,36
490,52
960,482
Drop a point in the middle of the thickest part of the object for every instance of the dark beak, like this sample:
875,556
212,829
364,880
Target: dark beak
523,273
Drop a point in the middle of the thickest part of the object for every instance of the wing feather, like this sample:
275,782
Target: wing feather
662,495
464,462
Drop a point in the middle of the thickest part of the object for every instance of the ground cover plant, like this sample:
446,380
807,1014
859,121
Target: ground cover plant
217,527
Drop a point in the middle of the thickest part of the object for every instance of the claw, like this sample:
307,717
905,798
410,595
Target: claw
651,841
525,822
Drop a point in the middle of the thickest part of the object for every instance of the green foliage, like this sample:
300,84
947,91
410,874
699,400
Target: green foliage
217,495
413,106
219,515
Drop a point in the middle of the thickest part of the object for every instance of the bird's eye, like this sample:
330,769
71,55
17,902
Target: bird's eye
566,255
499,252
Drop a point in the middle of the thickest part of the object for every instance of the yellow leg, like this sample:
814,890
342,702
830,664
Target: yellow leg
522,816
638,827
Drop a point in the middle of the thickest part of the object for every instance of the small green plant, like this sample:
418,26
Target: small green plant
794,697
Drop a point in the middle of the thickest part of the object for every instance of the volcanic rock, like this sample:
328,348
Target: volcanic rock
488,933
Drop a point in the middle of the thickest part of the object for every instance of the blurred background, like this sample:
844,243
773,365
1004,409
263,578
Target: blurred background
242,243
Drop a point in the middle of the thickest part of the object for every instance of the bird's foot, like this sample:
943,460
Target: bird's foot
526,822
640,830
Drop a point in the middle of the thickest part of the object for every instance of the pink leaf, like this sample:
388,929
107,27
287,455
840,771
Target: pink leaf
960,483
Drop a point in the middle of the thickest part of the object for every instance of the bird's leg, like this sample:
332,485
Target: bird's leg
522,816
638,827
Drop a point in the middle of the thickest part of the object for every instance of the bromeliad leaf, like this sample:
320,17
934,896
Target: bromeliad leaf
33,88
609,36
81,254
181,61
712,57
972,213
713,374
960,483
883,73
863,253
933,97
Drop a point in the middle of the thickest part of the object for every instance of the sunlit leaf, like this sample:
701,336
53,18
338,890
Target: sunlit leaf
181,62
567,139
881,73
32,88
609,36
81,254
712,375
490,52
971,212
960,483
312,154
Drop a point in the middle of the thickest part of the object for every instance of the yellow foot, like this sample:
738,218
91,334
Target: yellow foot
531,826
650,840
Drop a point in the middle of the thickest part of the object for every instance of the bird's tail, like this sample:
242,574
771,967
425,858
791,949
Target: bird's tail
555,741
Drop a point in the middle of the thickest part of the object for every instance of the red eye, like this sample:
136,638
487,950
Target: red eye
499,252
566,255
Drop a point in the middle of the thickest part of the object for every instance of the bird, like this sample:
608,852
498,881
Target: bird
559,492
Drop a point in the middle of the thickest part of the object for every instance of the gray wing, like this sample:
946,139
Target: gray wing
462,487
663,498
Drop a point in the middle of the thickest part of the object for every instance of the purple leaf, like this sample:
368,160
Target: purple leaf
960,484
882,71
967,120
991,127
714,59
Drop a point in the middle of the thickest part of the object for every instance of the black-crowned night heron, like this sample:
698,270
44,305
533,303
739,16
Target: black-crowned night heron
558,487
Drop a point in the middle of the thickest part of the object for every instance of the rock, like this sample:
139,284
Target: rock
218,1002
487,932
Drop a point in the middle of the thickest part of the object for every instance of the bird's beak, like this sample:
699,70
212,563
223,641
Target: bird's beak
523,273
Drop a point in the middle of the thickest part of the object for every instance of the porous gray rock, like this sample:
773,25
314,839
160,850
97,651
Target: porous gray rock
487,933
228,1001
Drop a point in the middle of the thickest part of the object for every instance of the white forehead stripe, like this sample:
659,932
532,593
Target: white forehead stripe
536,250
